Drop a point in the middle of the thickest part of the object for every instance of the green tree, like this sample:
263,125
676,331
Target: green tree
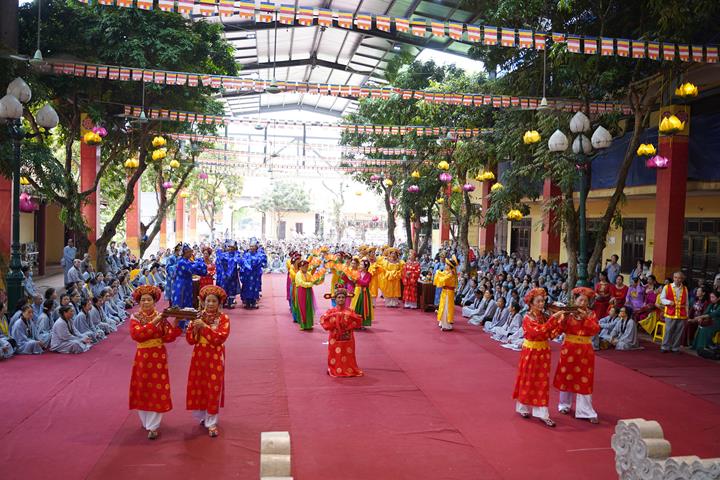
120,36
284,197
211,193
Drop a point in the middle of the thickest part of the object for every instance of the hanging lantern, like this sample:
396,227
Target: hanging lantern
158,142
174,163
686,90
440,201
657,161
468,187
496,187
485,177
24,181
92,139
129,163
531,136
646,149
601,138
203,176
167,184
159,154
388,183
393,201
413,189
100,131
579,123
581,144
375,219
558,142
415,174
515,215
184,194
374,178
456,189
670,125
26,204
445,177
47,117
443,165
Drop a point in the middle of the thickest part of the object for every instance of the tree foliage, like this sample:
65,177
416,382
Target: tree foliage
211,193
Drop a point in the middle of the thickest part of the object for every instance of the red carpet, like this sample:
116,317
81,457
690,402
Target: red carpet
431,406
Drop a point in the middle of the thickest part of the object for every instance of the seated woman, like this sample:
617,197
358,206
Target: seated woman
97,316
601,341
64,339
708,323
618,292
42,326
82,325
108,307
21,331
697,309
624,335
7,344
513,324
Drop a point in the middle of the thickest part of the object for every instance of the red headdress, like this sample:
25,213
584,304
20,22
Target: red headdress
534,293
339,290
213,290
588,292
151,290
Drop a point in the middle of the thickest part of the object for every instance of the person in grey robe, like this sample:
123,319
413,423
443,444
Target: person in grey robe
607,325
42,324
98,284
28,283
624,336
74,274
83,326
21,303
97,316
108,307
500,317
64,339
7,345
513,324
68,259
487,303
21,331
474,307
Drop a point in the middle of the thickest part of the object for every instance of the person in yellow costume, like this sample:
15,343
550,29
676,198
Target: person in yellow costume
392,273
374,270
446,280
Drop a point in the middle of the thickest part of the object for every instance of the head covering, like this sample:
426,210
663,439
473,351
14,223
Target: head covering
339,290
588,292
151,290
303,263
186,247
529,296
213,290
207,250
451,262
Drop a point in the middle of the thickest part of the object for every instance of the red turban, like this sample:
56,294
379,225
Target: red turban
534,293
213,290
151,290
588,292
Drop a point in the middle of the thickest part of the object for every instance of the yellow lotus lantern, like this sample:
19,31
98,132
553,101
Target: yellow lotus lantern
646,149
496,187
24,181
440,201
686,90
388,183
159,154
184,194
158,142
92,138
485,177
415,174
670,125
530,137
174,163
456,189
129,163
358,193
515,215
443,165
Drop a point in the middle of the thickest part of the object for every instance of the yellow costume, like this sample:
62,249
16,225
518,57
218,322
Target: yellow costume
447,280
374,270
391,274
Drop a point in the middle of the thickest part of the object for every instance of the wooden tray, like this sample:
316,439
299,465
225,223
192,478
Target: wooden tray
181,313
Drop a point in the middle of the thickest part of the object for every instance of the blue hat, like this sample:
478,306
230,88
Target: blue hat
186,247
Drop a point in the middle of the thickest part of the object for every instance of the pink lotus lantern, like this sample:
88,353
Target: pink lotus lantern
100,131
445,177
468,187
374,178
375,219
658,161
203,176
167,184
413,189
393,201
27,205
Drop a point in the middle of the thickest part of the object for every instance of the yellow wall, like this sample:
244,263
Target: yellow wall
54,235
27,227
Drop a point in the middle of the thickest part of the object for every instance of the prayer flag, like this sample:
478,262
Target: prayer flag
166,5
623,47
419,26
145,4
325,17
159,78
125,3
697,53
473,32
573,44
124,74
345,19
137,75
684,52
146,76
402,24
105,2
266,13
455,30
363,21
490,35
305,16
526,38
540,39
102,71
668,51
607,46
438,29
590,45
185,7
711,54
286,15
91,71
638,49
558,37
226,8
247,9
383,23
507,37
654,50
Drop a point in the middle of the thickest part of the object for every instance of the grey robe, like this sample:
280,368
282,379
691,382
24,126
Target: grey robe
42,328
499,319
63,340
23,336
625,332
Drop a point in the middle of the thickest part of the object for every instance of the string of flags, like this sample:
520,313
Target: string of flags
422,27
253,168
134,111
313,146
242,84
295,160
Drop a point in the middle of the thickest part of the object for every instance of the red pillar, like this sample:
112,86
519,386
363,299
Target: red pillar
486,238
445,217
163,234
180,220
132,223
5,225
549,239
89,164
192,223
670,197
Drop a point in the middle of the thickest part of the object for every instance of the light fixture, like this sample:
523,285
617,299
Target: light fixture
557,142
601,138
274,88
579,123
20,90
544,103
47,117
10,107
581,144
38,58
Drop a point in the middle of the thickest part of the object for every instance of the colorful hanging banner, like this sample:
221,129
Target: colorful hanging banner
490,35
590,45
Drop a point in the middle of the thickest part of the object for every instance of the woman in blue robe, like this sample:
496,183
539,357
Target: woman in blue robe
182,288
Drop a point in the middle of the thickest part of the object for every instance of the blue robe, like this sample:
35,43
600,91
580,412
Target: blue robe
230,273
252,269
69,254
182,288
438,267
170,264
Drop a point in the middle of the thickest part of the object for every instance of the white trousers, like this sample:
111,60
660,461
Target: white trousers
583,404
538,412
443,321
150,420
204,416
